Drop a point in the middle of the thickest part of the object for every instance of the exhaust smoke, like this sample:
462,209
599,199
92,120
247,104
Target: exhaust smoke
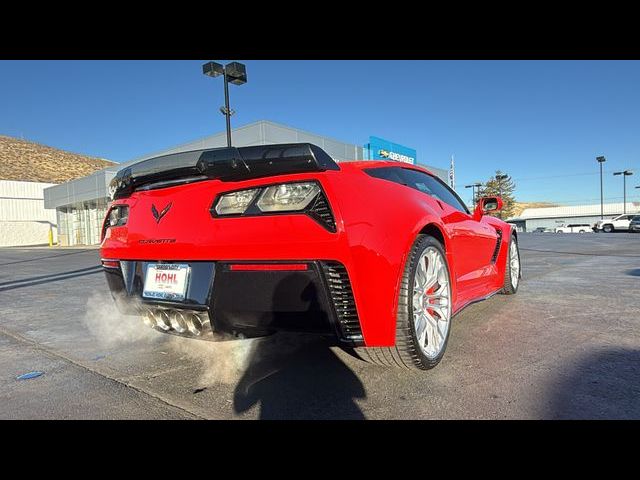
222,361
110,327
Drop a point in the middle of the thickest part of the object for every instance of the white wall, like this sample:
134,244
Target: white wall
23,218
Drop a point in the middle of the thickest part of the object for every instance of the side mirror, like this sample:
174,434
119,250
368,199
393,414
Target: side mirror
486,205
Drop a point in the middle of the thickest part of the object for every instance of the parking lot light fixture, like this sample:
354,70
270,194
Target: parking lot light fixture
500,178
600,161
473,192
625,174
235,73
474,186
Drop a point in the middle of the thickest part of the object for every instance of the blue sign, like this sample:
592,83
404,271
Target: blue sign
380,149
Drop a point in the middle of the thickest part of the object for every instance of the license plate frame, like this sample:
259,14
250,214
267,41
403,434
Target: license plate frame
163,290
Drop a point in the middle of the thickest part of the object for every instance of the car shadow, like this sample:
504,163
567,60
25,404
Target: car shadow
634,272
605,385
298,377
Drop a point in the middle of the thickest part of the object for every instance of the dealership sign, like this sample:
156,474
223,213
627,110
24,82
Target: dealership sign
380,149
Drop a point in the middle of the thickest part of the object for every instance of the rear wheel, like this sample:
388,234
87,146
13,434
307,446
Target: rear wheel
424,311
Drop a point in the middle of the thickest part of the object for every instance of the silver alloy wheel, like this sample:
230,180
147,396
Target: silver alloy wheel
431,302
514,263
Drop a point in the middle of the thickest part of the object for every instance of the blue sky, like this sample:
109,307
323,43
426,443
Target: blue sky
543,122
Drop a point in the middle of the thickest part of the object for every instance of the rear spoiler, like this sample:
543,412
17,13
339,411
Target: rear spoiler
228,164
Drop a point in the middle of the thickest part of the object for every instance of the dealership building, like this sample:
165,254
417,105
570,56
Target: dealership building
551,217
81,204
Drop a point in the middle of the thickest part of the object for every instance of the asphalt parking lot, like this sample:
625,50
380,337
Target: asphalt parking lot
566,346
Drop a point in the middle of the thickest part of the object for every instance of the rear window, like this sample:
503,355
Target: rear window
421,181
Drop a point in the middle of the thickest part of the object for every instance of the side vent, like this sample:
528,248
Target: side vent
496,250
321,212
343,302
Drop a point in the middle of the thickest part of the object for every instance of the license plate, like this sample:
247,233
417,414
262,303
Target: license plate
166,281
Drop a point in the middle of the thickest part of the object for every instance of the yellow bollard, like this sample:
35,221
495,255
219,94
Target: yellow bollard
50,237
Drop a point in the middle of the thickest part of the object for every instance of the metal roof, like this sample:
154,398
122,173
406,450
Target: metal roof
262,132
577,210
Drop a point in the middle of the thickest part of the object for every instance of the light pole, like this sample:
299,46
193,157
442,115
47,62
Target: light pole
473,186
499,179
233,72
624,174
473,192
601,160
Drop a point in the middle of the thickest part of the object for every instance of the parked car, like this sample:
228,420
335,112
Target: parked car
249,241
621,222
634,225
542,230
574,228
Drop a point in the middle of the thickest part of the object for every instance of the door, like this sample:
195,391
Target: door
474,243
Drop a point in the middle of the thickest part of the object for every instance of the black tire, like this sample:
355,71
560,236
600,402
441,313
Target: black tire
407,353
607,228
509,288
582,231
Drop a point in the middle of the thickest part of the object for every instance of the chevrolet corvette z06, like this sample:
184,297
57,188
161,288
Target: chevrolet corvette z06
245,242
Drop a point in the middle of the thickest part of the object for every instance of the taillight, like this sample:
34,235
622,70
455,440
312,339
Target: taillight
292,197
287,197
110,263
235,203
116,217
267,267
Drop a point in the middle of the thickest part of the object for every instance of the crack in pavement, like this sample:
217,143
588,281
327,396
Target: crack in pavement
49,351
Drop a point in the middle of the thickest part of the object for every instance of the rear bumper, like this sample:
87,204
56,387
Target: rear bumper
252,298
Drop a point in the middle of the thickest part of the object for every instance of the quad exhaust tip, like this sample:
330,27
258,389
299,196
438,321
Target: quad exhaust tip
180,321
194,324
162,320
149,319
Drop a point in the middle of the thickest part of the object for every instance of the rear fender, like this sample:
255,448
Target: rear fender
433,226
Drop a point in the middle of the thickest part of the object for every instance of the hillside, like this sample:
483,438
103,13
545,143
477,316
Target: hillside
31,162
518,207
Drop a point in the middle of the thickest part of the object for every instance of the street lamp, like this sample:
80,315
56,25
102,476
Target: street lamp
624,174
601,160
233,72
473,192
499,178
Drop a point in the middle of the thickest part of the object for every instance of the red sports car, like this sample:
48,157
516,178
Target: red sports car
253,240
